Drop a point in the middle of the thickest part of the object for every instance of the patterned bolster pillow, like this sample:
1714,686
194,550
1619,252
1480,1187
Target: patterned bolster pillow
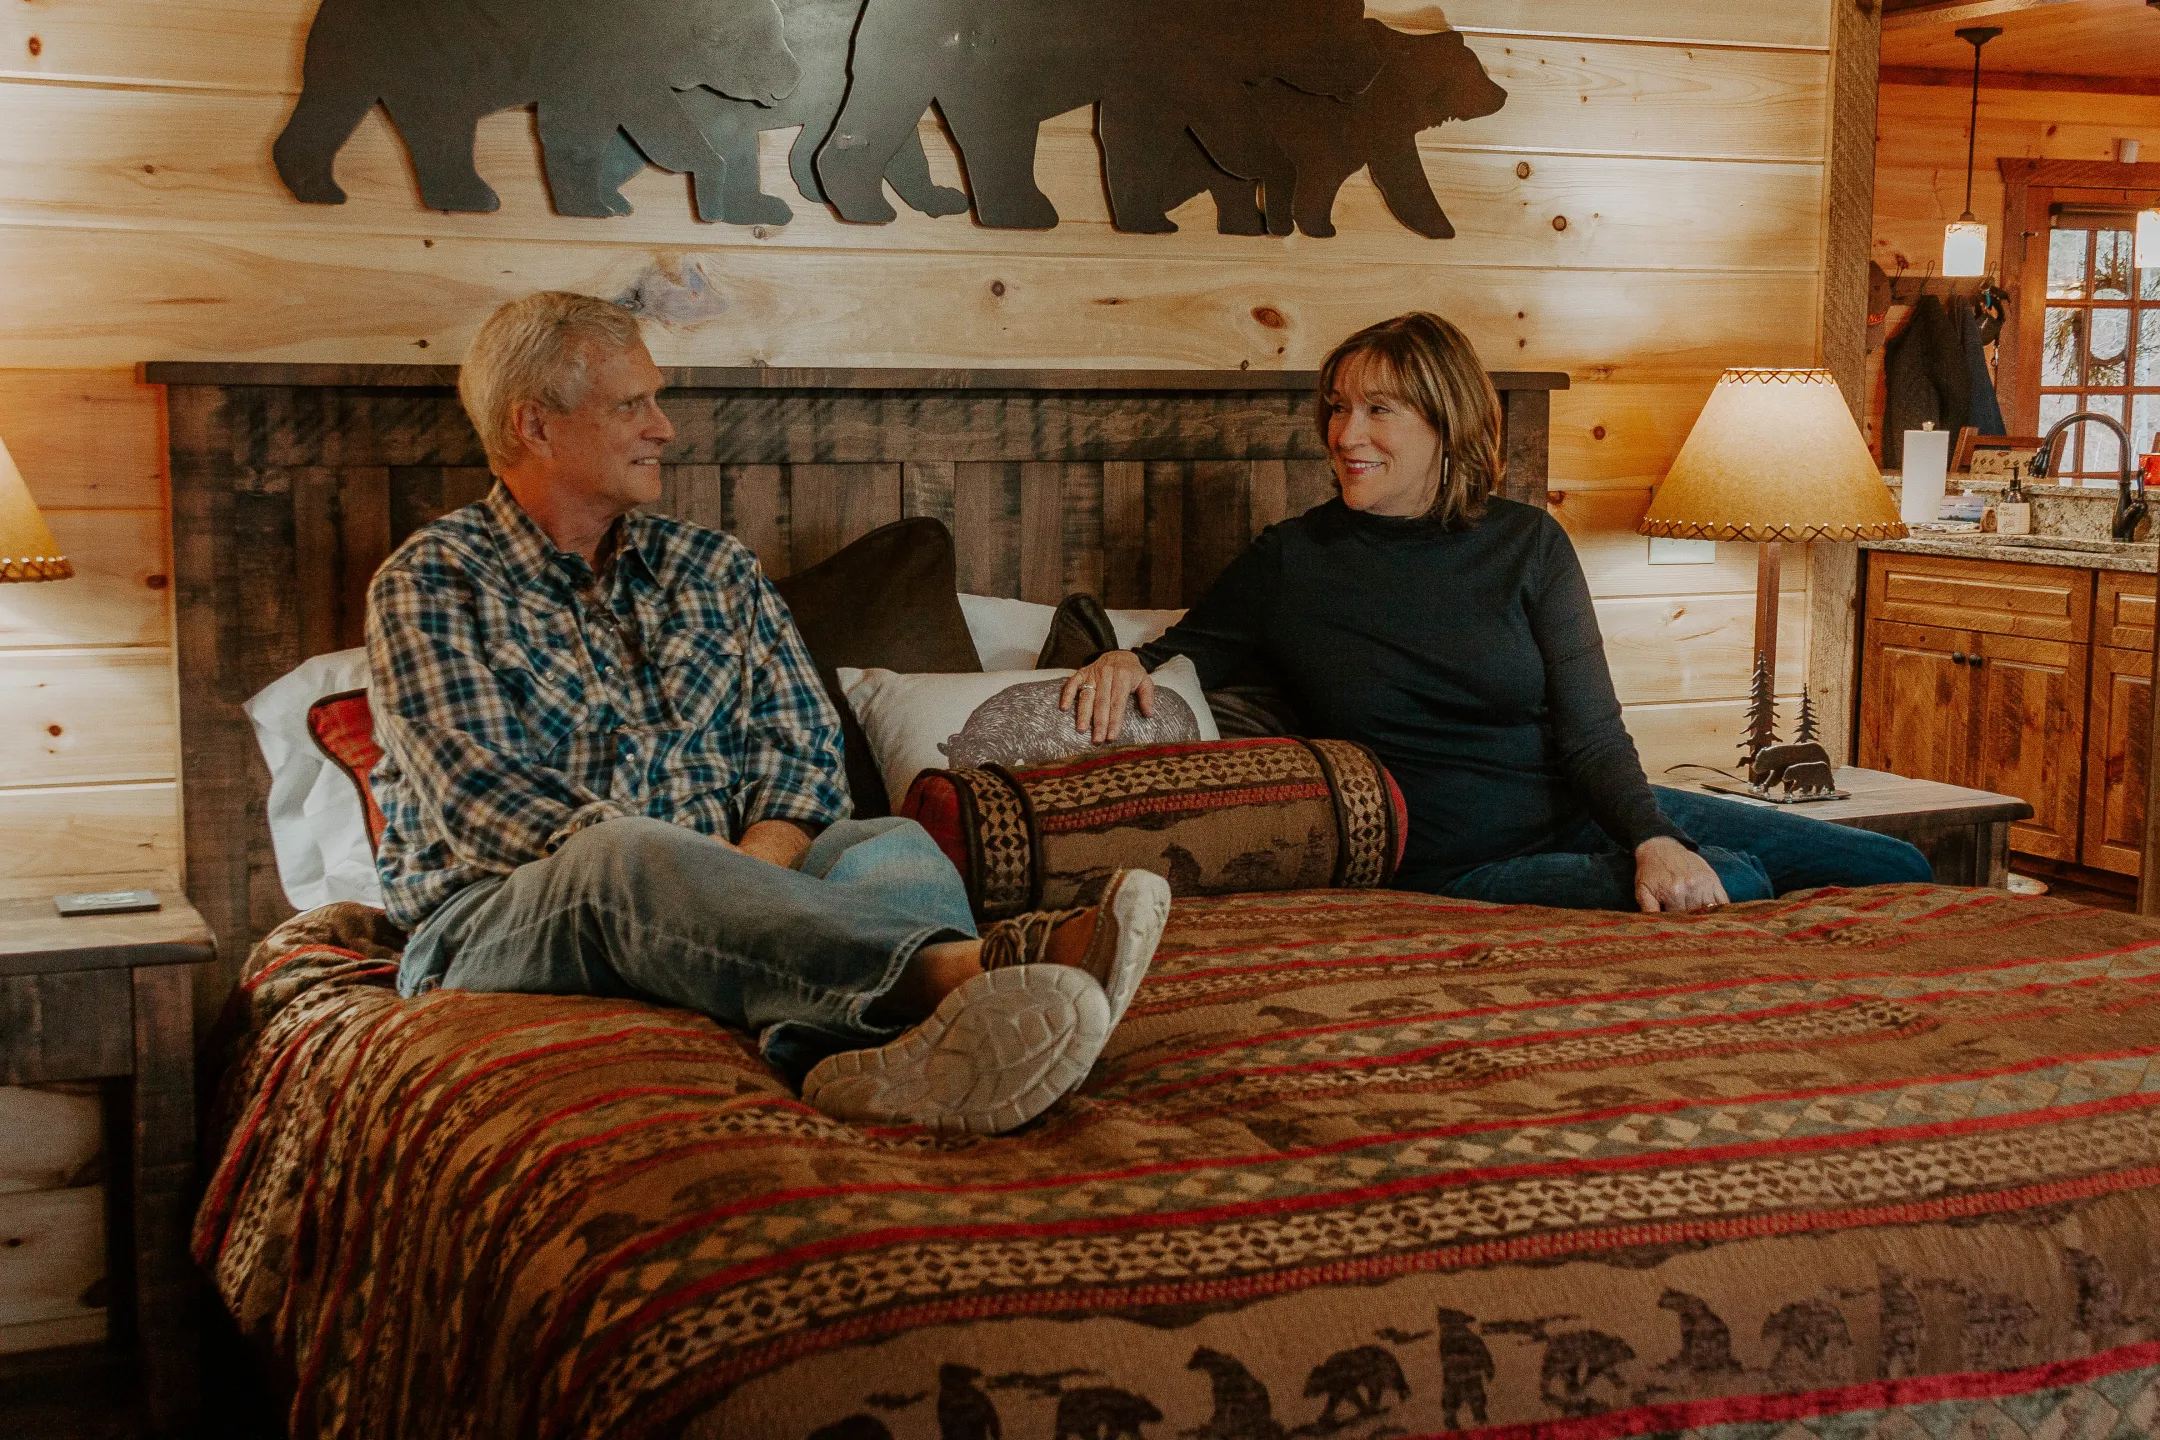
1213,818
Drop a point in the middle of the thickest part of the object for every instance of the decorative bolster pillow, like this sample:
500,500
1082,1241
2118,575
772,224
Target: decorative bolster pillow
1214,818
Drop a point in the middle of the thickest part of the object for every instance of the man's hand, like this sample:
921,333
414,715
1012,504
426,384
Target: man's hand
777,842
1096,694
1669,876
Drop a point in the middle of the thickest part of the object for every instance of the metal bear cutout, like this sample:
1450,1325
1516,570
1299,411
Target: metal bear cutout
1802,768
819,32
1426,81
596,72
1157,70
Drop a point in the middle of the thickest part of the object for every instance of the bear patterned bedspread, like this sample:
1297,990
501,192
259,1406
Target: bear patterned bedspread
1849,1164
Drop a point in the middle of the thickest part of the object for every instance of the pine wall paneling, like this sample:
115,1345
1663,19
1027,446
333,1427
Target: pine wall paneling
1684,144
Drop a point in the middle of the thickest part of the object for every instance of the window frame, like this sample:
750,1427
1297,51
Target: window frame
2032,189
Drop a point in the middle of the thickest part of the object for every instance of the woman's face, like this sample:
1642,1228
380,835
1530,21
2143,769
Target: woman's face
1387,456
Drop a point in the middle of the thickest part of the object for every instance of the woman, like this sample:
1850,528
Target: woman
1451,630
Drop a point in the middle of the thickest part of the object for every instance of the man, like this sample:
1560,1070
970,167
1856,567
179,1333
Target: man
609,768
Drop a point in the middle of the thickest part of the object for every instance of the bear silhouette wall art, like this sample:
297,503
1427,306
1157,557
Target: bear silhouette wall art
1267,105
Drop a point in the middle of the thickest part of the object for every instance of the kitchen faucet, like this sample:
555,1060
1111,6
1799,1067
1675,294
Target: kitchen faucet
2130,489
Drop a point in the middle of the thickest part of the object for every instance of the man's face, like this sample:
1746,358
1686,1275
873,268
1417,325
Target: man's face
608,448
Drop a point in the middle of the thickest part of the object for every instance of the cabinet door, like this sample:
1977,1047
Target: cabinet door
2030,736
2117,733
1916,702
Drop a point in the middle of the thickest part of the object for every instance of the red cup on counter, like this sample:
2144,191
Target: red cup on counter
2149,468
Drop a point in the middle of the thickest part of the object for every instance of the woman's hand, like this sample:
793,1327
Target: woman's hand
1669,876
1096,694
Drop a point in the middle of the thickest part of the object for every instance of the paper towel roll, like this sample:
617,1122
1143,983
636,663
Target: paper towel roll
1927,470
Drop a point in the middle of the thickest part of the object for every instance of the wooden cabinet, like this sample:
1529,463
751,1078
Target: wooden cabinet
2117,731
1992,712
2028,680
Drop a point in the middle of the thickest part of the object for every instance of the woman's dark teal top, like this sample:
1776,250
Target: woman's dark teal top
1469,660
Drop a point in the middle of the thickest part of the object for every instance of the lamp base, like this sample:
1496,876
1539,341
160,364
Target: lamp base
1773,797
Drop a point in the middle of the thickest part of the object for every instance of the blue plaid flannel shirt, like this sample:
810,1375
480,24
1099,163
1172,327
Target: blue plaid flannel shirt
519,698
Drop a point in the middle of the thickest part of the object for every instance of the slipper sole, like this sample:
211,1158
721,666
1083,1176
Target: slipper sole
1000,1049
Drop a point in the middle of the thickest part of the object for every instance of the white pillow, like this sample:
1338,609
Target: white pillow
317,828
1009,634
911,718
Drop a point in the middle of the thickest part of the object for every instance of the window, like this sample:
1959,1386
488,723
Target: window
2100,343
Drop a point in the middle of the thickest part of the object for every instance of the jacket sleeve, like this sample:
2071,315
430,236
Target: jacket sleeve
1595,748
452,734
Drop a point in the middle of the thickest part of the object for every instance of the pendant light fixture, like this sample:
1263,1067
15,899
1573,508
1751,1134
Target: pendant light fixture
1965,239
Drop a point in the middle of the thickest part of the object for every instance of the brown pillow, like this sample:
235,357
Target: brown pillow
890,601
1080,630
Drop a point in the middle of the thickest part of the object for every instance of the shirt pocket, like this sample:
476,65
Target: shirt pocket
701,677
547,695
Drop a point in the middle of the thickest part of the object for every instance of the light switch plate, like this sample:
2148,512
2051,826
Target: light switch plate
1664,551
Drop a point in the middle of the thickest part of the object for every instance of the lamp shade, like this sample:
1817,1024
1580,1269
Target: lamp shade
27,548
1964,248
1775,455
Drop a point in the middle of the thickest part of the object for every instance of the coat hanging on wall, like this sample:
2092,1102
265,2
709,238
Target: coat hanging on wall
1269,105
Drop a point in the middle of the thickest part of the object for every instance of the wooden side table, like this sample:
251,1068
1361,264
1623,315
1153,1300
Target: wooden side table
1964,833
99,997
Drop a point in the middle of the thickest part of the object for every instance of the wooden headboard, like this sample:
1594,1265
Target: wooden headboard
291,483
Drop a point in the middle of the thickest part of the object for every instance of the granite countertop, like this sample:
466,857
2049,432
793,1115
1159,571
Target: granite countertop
2076,518
2138,556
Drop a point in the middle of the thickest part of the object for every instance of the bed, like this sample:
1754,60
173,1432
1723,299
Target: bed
1359,1162
1870,1163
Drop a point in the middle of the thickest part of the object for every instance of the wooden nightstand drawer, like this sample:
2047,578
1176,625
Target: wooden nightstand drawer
75,1025
2123,611
2035,602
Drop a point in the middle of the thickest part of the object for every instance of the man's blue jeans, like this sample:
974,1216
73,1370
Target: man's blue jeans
639,907
1758,853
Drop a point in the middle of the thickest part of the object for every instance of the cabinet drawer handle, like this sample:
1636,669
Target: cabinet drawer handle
1976,662
1957,657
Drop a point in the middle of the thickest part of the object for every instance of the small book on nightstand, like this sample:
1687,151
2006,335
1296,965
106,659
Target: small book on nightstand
106,902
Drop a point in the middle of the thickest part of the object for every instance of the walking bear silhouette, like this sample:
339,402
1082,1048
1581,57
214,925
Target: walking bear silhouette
596,72
819,33
1426,81
1157,69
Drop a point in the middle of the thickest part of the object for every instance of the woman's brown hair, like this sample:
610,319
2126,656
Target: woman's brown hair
1422,361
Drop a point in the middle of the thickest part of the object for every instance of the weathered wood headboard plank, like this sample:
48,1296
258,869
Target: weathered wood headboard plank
291,483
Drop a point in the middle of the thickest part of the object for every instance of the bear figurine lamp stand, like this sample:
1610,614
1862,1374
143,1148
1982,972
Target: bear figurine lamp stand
1775,456
27,548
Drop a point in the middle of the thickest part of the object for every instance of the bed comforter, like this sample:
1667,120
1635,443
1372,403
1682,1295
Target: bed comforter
1848,1164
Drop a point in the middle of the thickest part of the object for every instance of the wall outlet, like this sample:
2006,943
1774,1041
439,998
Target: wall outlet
1664,551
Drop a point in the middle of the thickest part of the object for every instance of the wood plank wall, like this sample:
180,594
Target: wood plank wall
1681,143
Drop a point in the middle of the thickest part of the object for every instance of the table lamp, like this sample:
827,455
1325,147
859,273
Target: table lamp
1775,456
27,548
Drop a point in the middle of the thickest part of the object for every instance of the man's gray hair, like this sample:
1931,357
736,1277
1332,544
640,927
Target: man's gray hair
536,349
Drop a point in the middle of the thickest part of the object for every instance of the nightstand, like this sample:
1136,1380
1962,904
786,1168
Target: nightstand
1964,833
109,997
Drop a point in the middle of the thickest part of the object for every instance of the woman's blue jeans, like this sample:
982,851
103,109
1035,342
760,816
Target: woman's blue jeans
1758,852
639,907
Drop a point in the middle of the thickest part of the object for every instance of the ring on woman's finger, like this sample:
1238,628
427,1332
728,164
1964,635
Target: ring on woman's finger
1090,685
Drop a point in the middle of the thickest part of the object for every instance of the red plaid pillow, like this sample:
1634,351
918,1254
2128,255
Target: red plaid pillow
344,730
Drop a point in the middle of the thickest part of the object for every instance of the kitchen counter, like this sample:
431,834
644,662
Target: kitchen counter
2075,519
2137,557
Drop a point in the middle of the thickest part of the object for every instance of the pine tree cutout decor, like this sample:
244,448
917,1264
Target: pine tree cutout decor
1762,712
1809,731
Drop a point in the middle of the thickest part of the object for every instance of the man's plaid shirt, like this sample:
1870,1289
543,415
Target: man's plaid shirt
519,698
